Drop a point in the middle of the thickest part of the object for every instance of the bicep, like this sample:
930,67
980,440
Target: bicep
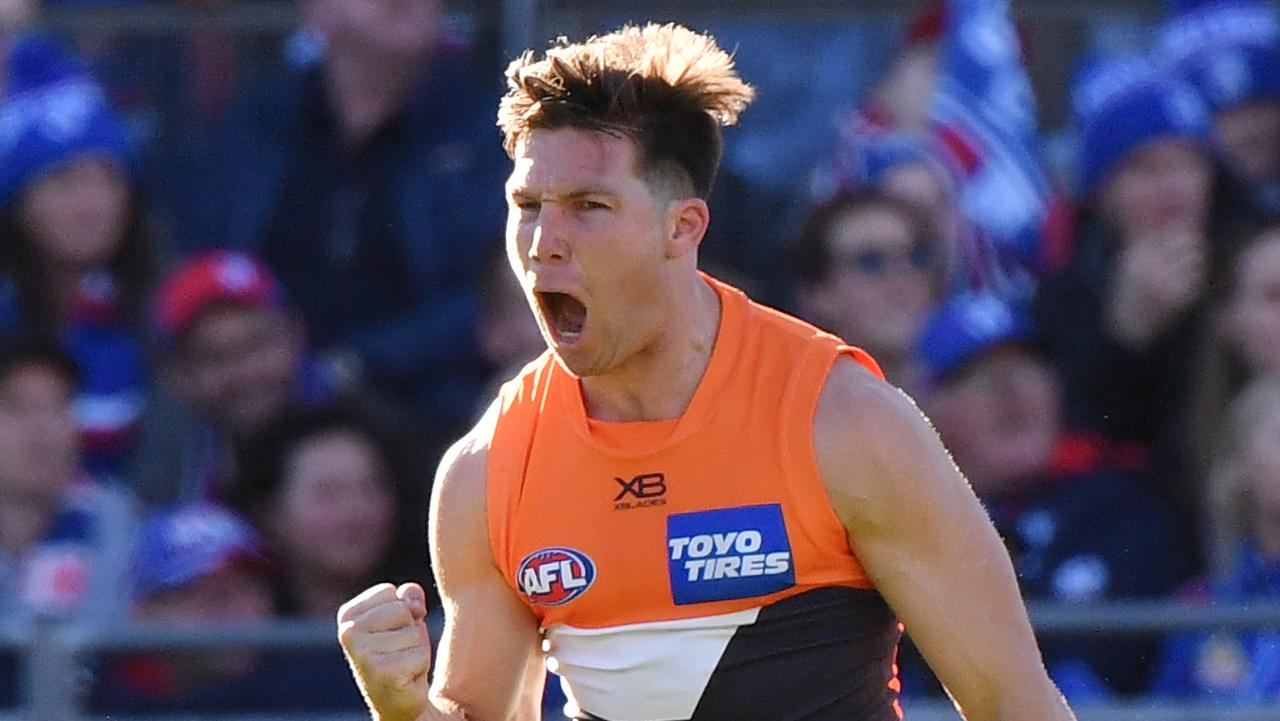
488,661
927,544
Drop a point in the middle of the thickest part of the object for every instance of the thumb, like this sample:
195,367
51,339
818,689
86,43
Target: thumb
412,594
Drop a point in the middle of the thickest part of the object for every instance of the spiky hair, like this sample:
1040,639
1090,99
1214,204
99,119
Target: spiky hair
666,87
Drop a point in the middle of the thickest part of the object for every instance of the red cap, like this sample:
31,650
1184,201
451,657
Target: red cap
207,280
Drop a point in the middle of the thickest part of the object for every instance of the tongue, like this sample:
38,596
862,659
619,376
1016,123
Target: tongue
570,315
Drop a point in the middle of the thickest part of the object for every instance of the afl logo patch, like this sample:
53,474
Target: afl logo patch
555,576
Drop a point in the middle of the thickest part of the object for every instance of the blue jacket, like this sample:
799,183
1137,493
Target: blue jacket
445,178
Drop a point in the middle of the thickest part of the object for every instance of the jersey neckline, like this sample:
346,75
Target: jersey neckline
640,438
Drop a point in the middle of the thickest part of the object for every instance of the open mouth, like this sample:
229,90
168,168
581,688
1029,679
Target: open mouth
564,315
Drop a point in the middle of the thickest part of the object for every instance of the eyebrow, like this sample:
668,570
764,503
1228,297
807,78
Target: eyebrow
576,194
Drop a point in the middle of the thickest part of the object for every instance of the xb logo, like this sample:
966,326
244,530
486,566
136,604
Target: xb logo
647,490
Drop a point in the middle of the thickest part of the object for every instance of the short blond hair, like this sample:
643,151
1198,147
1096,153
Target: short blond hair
666,87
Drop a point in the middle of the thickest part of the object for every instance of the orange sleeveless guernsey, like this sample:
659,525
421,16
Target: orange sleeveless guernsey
692,568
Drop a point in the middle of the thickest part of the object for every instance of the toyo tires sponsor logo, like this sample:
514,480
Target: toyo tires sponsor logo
728,553
555,576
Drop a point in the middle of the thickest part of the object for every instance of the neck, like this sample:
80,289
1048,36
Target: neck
23,519
659,382
364,94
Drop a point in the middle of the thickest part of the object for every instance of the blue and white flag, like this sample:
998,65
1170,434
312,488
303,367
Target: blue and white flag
983,117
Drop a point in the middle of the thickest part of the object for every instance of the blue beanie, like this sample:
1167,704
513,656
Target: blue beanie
1121,104
53,113
966,326
1228,49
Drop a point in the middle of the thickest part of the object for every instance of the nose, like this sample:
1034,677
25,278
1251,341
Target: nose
548,236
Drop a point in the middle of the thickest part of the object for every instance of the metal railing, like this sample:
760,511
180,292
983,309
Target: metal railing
57,678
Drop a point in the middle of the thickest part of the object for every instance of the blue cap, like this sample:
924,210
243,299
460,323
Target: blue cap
1228,49
1123,103
965,326
53,114
179,546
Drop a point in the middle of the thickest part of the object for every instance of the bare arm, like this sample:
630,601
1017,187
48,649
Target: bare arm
490,666
490,661
927,544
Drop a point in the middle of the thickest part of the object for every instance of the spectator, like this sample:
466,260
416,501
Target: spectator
1223,667
234,358
370,182
1154,236
1079,527
199,565
340,502
1230,51
75,256
870,269
906,167
63,535
1245,344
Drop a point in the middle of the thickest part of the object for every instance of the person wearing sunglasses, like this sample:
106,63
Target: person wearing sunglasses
870,267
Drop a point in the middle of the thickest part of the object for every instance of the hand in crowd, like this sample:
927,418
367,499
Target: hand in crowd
1159,276
383,633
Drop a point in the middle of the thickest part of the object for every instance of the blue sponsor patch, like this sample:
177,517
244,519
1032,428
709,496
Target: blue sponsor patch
728,553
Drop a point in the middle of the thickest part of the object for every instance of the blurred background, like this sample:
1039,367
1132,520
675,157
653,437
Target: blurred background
253,282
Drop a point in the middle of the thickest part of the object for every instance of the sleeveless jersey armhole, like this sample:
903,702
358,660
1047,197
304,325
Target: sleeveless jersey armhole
800,407
509,446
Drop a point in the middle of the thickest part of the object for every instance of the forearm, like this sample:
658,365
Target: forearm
1034,698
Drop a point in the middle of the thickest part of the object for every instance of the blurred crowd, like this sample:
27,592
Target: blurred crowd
235,338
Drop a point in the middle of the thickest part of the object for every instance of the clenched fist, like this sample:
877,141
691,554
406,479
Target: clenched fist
383,633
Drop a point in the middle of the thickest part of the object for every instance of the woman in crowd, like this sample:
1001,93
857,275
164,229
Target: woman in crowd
1154,235
339,503
75,260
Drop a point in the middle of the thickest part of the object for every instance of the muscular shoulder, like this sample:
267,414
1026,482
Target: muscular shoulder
458,521
870,439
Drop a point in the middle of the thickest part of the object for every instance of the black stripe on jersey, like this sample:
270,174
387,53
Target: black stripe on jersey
824,655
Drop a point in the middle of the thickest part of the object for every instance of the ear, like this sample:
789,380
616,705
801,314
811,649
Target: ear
687,221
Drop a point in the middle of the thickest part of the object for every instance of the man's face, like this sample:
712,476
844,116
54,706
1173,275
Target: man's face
39,442
1000,418
585,234
236,364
